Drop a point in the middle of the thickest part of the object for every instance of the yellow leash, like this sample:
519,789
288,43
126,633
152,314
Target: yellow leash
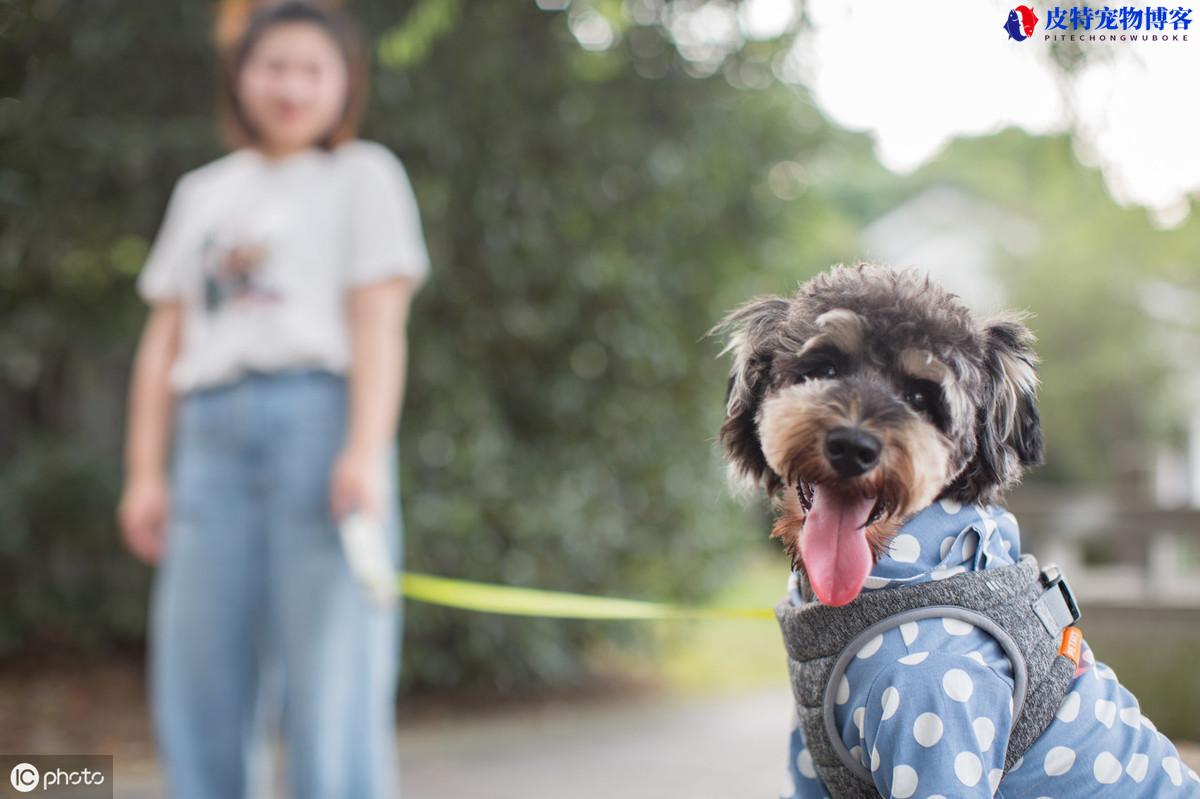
367,555
489,598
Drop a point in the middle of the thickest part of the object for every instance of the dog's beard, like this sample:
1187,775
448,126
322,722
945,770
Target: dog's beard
835,529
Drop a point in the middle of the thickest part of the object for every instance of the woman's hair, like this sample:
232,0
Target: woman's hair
236,130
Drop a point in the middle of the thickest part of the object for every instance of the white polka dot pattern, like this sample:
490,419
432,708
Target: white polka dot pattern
805,763
891,702
968,768
927,729
1137,766
1106,712
957,626
904,781
870,648
905,549
942,574
1068,711
957,684
1174,772
1059,761
927,706
1106,768
985,732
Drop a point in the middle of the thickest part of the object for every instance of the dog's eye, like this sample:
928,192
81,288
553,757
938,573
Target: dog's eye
826,370
917,398
923,397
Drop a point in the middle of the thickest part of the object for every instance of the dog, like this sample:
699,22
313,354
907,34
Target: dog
884,422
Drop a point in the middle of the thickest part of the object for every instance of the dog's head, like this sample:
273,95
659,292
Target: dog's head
863,398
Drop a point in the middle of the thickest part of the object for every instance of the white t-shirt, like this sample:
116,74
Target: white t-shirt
261,253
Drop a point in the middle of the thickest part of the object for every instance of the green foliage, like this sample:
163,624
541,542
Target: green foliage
103,105
586,212
406,44
56,551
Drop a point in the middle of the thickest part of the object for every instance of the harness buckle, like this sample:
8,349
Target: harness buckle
1057,607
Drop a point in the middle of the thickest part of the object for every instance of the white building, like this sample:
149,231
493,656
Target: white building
956,237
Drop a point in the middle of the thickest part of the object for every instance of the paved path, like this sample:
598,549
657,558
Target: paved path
718,748
709,748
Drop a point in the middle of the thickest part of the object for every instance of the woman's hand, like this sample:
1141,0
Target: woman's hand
357,484
142,516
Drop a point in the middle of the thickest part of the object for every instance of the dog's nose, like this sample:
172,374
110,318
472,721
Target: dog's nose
851,451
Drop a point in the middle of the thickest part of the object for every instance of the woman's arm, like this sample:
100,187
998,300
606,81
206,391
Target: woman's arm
378,318
142,514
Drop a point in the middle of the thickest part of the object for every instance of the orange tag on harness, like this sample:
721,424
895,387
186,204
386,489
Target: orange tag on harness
1072,638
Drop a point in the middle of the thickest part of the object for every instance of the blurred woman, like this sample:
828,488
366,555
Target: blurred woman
263,409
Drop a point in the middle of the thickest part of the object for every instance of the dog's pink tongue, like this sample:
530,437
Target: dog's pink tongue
834,546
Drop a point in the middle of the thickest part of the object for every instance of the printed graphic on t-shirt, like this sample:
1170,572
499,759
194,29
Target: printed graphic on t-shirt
233,273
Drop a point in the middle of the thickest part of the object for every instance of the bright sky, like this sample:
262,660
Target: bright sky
915,76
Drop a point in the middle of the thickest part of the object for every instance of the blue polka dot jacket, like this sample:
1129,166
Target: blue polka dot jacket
927,706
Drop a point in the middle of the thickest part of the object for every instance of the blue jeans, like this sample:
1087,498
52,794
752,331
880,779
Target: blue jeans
254,604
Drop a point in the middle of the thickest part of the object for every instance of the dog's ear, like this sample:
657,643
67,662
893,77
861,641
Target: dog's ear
751,332
1009,429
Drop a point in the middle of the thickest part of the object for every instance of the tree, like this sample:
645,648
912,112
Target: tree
587,212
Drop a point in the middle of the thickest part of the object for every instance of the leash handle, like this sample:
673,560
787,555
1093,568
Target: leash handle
370,561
